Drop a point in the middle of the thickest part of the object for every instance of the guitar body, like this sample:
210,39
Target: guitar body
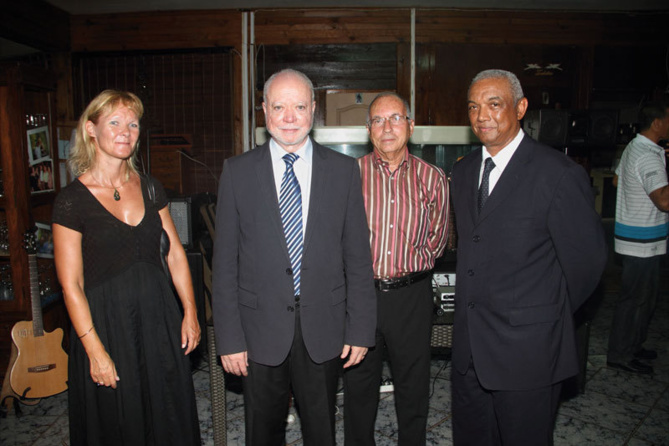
7,395
40,369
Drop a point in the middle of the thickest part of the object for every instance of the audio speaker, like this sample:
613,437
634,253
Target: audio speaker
579,127
180,211
547,126
603,128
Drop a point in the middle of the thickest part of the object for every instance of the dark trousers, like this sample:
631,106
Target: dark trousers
636,304
483,417
404,327
267,394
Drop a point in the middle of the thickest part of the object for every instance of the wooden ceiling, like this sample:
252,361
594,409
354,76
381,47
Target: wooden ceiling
79,7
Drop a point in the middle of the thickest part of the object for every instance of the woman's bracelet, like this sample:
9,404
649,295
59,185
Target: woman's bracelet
89,330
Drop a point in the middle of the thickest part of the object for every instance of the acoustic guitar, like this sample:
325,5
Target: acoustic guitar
40,369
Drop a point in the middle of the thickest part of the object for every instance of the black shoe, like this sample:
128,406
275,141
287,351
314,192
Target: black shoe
648,355
634,366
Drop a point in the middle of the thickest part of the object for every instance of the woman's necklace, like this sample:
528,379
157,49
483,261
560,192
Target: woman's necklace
117,195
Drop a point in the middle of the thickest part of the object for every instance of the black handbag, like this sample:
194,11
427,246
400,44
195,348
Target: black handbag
164,238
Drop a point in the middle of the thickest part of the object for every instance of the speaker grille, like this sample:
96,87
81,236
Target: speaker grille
603,127
547,126
180,211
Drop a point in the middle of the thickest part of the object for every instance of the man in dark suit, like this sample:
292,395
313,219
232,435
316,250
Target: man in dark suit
293,288
530,252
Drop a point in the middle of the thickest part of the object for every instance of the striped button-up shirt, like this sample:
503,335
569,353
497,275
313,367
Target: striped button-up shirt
407,214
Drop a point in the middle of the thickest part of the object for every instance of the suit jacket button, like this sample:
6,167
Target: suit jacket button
297,298
290,309
471,305
470,272
476,239
289,271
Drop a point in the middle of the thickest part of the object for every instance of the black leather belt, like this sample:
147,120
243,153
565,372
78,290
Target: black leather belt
400,282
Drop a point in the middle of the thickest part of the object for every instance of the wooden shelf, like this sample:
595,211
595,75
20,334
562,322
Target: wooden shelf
27,107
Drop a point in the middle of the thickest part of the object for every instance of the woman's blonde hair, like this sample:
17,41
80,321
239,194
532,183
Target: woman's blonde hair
83,154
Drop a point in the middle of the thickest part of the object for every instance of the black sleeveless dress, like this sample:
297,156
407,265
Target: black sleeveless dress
138,318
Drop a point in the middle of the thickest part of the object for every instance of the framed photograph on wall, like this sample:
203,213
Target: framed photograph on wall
41,176
39,147
40,154
44,240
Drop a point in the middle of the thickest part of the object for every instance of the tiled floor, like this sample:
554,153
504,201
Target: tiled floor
617,408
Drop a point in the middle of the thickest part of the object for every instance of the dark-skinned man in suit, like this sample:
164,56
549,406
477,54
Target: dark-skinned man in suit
530,252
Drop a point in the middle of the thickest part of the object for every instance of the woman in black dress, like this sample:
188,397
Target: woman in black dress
129,377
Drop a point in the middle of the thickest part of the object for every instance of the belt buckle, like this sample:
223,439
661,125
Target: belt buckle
384,284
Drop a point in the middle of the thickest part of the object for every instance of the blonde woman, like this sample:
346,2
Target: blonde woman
129,377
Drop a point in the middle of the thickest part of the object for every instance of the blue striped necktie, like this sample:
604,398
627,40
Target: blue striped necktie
290,206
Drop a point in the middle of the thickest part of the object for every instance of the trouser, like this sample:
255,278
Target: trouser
404,327
636,304
267,392
483,417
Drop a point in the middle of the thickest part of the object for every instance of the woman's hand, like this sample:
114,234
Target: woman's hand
190,333
103,370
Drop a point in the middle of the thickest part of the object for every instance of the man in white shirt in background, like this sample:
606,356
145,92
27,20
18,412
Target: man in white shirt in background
641,230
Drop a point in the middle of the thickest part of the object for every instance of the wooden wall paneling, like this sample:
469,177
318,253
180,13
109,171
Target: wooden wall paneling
403,83
156,30
629,74
237,98
332,26
62,65
427,86
444,72
528,33
35,23
354,67
339,67
185,92
584,59
198,29
545,28
547,87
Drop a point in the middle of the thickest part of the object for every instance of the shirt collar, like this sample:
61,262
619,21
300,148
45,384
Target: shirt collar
504,156
304,153
644,139
380,162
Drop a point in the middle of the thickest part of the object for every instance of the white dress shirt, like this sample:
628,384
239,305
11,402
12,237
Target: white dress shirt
501,160
302,169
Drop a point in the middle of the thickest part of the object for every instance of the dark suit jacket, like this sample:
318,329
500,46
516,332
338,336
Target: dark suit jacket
253,302
524,266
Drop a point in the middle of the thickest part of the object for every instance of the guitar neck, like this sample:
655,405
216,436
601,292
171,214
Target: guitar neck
36,301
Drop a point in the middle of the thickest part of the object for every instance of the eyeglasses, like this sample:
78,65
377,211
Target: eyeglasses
394,120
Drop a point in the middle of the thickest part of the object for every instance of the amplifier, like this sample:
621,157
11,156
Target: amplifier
443,287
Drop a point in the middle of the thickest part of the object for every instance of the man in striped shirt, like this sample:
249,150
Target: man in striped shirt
640,238
406,200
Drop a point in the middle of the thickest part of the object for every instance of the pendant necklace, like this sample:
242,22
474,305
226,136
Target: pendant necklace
117,195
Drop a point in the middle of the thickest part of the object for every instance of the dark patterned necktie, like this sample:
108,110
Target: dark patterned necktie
290,206
485,182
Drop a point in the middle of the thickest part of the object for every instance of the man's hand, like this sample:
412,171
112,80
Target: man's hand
357,354
236,363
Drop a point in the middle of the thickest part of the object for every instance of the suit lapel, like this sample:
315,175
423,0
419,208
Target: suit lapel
472,186
511,177
265,175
